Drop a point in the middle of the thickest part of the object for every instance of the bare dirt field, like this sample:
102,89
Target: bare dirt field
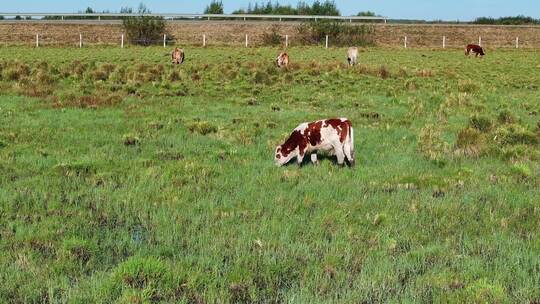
233,33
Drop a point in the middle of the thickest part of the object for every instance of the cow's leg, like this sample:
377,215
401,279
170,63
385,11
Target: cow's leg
314,158
339,154
349,153
300,157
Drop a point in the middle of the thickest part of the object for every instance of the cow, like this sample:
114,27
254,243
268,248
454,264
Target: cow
177,56
282,60
476,49
352,55
334,136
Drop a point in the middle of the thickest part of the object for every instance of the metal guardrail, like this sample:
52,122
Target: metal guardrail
197,16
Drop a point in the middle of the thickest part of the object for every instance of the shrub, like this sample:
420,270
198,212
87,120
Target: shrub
16,71
144,30
202,127
174,75
467,86
272,37
469,142
506,117
480,123
514,135
522,171
260,77
76,69
340,33
383,72
130,140
79,250
43,77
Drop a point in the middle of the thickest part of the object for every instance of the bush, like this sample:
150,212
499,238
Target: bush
339,32
144,30
522,171
469,142
202,127
515,135
506,117
272,37
480,123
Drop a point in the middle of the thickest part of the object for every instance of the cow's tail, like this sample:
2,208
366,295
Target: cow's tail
350,146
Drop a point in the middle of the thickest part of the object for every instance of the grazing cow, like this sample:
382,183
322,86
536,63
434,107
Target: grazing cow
334,136
282,60
177,56
352,55
476,49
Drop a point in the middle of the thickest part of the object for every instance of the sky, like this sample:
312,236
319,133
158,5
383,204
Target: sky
463,10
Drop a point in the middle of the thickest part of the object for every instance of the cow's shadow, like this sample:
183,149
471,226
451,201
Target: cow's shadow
320,158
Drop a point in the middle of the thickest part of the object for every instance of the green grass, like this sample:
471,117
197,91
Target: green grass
126,179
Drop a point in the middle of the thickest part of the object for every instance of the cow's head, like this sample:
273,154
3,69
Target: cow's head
282,59
281,157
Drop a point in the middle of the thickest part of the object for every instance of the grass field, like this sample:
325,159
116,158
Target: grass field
125,179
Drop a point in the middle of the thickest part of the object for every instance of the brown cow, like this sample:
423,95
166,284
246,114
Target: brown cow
476,49
334,136
282,60
177,56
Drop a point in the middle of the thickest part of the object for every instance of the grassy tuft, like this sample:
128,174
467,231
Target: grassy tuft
202,127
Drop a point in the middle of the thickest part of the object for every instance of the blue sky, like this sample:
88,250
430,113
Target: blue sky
408,9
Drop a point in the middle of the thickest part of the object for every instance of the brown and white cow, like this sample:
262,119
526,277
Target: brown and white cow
476,49
177,56
282,60
352,56
334,136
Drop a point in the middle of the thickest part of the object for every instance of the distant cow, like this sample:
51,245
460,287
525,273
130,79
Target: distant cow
352,55
476,49
282,60
334,136
177,56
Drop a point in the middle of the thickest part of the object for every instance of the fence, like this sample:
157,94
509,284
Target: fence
241,34
173,16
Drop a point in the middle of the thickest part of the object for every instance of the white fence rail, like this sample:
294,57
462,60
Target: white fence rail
244,39
172,16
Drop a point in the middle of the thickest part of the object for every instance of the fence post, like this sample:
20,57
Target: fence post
286,40
246,40
517,42
480,41
37,40
164,40
80,40
204,40
122,42
326,41
444,42
405,42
